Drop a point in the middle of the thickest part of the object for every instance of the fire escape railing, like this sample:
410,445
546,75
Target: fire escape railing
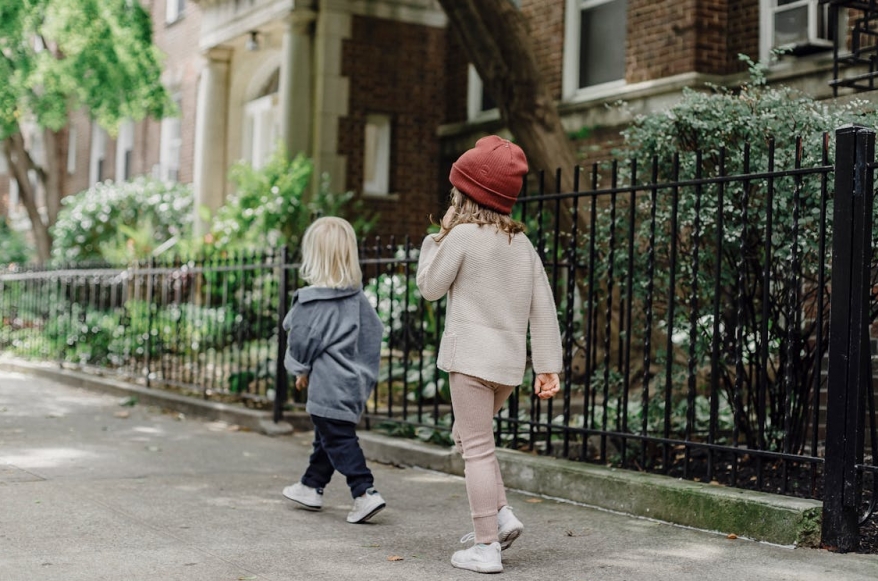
860,62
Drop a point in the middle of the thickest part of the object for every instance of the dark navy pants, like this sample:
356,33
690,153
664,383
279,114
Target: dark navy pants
337,447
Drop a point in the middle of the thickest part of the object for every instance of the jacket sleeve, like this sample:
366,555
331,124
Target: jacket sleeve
438,264
303,342
545,335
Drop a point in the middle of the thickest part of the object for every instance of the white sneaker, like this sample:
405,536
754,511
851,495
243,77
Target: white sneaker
309,498
509,527
479,558
366,506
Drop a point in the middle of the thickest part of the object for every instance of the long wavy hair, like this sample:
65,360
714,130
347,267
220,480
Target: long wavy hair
468,211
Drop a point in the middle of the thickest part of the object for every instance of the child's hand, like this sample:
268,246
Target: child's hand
301,382
547,385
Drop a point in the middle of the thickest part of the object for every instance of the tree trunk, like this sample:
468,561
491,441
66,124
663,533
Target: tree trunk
20,164
55,173
496,39
495,36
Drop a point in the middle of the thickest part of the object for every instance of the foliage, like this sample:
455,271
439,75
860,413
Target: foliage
13,247
122,221
63,55
768,293
271,205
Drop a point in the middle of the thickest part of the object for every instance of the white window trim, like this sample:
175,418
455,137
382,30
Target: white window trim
474,93
380,184
98,152
260,116
124,144
72,136
173,13
570,78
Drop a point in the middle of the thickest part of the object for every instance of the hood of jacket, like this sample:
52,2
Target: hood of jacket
322,293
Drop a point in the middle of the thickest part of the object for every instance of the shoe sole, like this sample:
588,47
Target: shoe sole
301,504
478,567
506,539
375,511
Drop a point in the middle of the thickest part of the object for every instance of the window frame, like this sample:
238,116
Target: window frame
97,154
72,137
169,146
380,159
766,28
572,48
124,148
174,10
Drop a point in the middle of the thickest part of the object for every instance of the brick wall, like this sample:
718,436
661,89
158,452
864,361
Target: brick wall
743,23
407,85
662,37
546,24
179,42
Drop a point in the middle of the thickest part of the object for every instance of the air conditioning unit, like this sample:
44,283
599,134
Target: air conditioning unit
801,26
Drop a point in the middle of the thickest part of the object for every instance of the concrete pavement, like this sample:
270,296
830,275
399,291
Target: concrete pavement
94,490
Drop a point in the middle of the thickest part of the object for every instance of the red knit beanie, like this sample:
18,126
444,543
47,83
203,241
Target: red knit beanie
491,173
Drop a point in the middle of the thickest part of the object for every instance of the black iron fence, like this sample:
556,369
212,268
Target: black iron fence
694,298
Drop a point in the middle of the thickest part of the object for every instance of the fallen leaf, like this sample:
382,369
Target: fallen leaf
394,558
534,500
122,414
732,536
128,401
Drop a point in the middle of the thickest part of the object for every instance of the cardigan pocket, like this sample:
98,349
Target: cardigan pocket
447,348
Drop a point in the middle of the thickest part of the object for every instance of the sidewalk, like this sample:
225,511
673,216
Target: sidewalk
92,490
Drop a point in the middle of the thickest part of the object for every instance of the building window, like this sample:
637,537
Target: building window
261,129
124,149
376,155
479,102
169,153
797,27
594,50
174,10
96,169
71,150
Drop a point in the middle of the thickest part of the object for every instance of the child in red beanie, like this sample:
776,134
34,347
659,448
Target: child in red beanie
496,287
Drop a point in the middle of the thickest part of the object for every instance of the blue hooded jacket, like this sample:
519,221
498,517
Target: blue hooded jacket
334,337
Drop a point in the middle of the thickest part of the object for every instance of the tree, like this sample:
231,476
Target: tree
59,56
496,39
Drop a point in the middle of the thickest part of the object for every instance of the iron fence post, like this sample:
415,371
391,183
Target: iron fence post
848,336
280,373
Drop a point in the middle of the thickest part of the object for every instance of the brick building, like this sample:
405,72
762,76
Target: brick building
379,94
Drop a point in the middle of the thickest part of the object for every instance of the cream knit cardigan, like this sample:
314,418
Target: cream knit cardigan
495,288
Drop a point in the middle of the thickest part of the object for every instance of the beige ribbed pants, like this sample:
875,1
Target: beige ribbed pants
475,403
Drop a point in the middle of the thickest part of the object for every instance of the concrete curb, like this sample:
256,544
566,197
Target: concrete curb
760,516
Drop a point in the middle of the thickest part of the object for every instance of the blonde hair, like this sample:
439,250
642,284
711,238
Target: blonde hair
329,254
468,211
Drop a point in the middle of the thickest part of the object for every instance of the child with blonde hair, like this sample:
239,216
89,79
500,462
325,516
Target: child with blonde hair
334,349
497,287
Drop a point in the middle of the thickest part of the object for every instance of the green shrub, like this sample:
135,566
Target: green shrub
271,205
14,248
121,221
